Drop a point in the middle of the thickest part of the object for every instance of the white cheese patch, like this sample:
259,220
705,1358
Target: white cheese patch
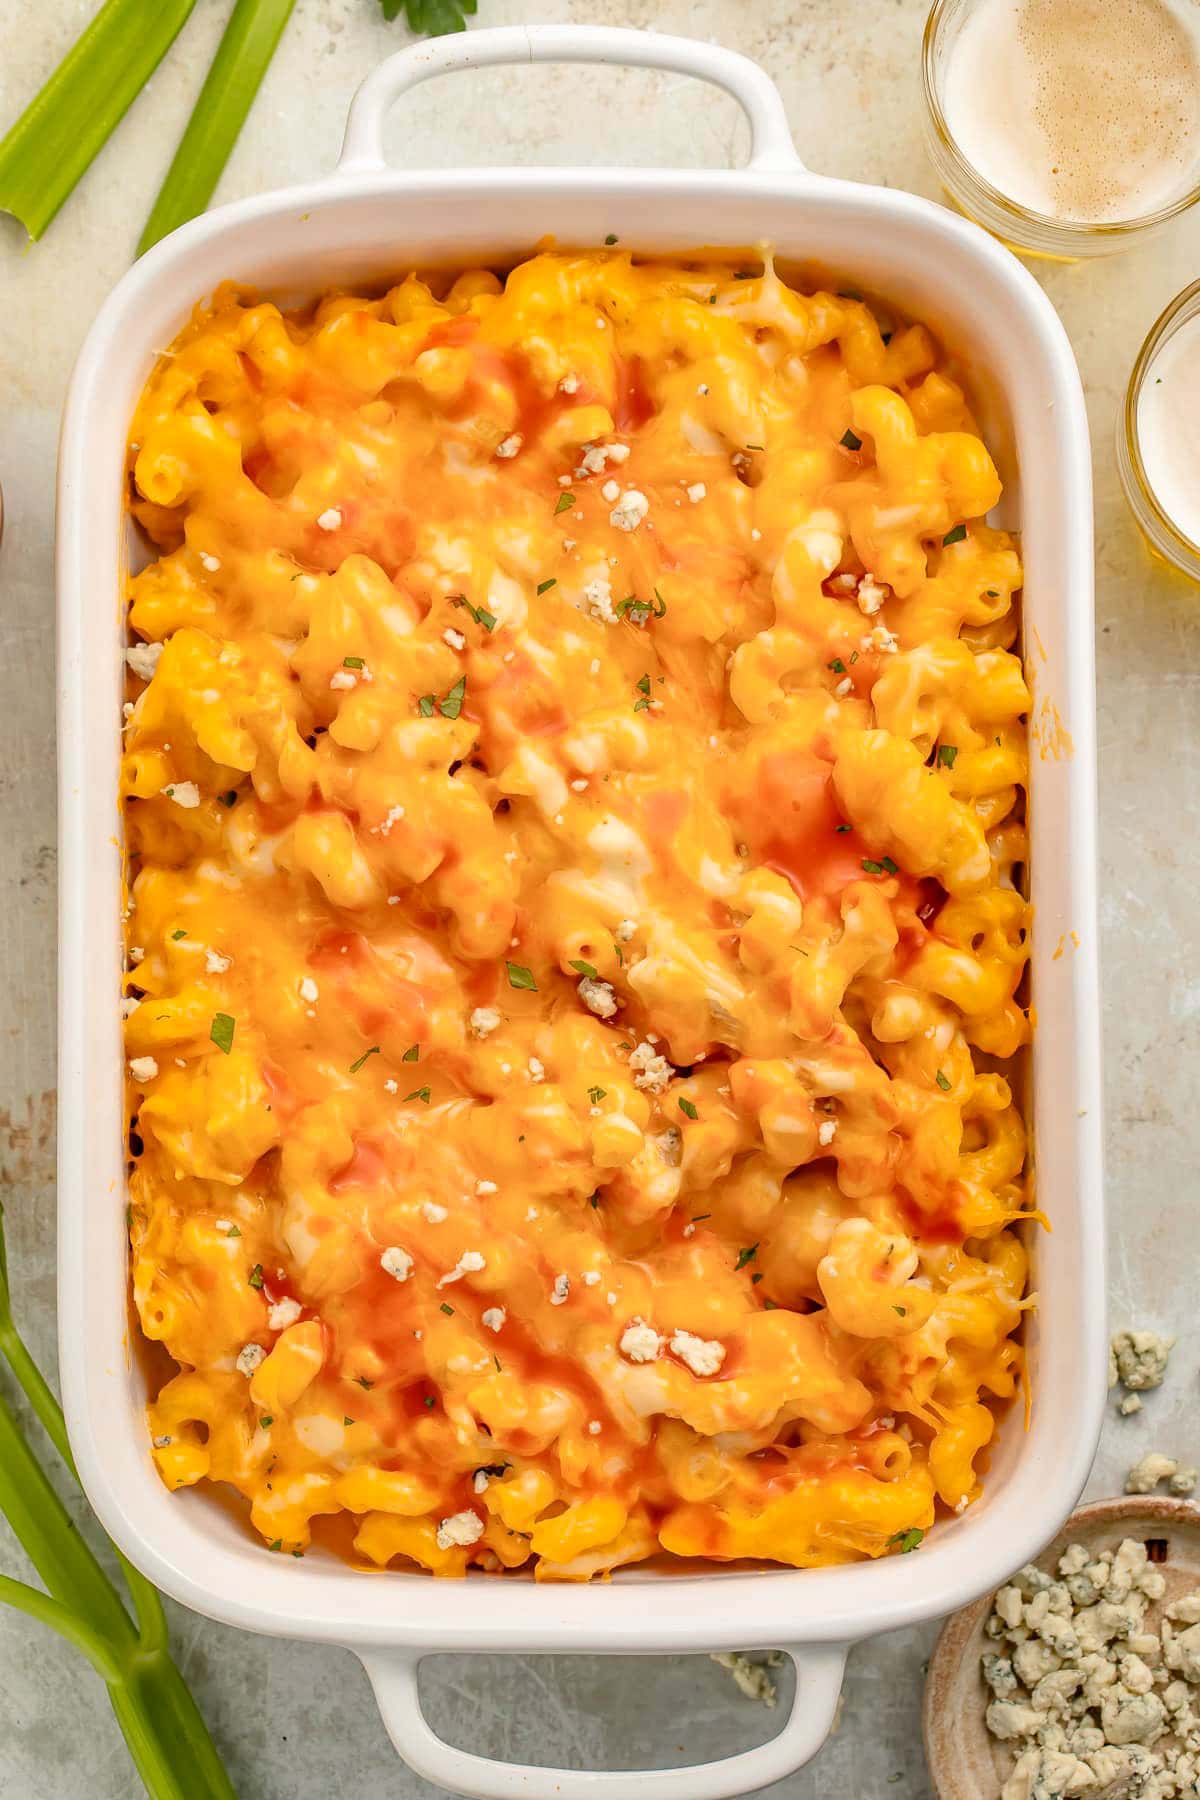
284,1313
249,1357
469,1263
509,446
640,1342
330,519
703,1356
871,595
598,997
493,1317
396,1262
215,963
460,1528
143,1068
598,602
629,511
560,1292
183,793
484,1021
143,659
650,1070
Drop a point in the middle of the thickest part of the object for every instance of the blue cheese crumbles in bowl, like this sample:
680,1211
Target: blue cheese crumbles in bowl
1081,1675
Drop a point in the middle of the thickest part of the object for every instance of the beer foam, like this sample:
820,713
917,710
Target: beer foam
1083,110
1168,428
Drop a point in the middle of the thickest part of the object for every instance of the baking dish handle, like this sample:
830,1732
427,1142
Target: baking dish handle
819,1669
771,144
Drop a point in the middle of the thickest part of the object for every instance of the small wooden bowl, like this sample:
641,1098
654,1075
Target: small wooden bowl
965,1761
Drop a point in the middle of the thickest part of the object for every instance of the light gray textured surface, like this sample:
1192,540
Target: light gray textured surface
298,1722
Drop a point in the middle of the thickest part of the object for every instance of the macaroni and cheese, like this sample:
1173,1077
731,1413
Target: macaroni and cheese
573,784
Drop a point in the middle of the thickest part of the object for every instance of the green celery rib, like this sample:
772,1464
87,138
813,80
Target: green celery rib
220,112
60,1618
163,1727
152,1621
69,121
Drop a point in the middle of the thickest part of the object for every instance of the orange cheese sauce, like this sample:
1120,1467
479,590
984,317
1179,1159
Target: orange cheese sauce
573,774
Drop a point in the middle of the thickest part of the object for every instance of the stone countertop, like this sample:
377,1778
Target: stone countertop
298,1722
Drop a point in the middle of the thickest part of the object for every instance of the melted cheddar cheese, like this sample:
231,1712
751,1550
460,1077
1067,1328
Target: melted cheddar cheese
572,787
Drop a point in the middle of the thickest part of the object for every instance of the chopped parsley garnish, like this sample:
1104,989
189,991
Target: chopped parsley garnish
584,968
222,1030
267,1422
544,587
946,755
596,1095
838,666
840,828
685,1106
234,1231
412,1054
276,1544
697,1218
885,866
425,706
176,935
519,977
447,1309
421,1093
747,1255
756,446
756,1278
902,1310
358,1062
451,705
430,1402
353,662
943,1081
907,1540
889,865
641,705
255,1277
229,798
992,593
956,535
480,614
346,1419
564,504
643,686
363,1382
848,440
611,238
643,608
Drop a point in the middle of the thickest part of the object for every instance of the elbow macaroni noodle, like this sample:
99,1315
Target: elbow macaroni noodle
573,781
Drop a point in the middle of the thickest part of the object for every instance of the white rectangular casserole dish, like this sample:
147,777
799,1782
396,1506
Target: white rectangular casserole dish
359,225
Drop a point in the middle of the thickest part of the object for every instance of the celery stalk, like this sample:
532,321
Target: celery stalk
243,55
163,1728
71,119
